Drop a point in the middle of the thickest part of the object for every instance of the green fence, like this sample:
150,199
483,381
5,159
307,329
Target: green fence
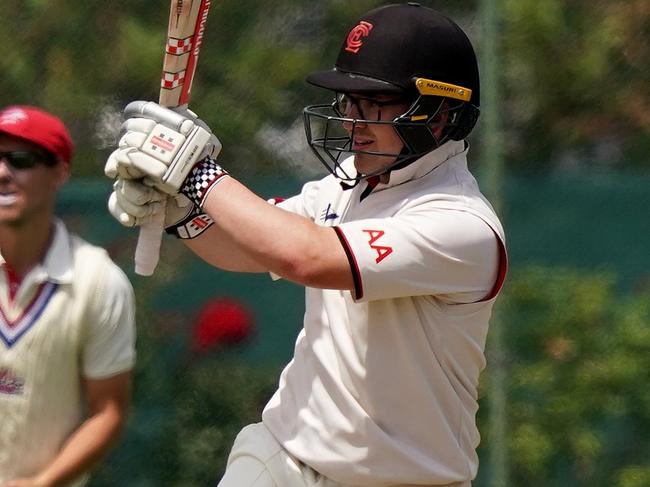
580,221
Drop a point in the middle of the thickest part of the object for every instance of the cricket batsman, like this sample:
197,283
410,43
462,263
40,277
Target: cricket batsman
400,254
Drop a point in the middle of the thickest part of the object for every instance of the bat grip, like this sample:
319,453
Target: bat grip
147,251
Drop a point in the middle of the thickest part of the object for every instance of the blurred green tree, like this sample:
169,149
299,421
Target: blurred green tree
575,73
577,356
577,76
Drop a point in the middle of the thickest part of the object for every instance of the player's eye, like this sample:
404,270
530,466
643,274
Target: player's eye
367,108
344,103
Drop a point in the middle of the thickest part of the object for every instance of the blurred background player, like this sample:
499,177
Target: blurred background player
401,256
66,318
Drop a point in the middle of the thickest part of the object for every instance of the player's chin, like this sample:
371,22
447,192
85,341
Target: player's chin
10,217
370,164
11,211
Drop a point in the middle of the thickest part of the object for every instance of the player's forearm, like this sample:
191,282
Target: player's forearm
85,448
286,244
218,249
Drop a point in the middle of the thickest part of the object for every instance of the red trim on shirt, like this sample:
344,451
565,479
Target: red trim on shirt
372,182
13,281
503,270
12,323
354,266
12,331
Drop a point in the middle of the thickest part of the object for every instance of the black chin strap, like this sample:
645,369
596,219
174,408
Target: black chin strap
372,182
347,186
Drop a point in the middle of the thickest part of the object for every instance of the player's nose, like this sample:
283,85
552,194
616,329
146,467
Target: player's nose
354,119
4,164
5,169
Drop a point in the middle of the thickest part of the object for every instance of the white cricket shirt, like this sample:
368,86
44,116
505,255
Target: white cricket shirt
382,389
72,317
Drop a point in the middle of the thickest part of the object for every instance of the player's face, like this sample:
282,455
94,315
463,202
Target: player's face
29,181
371,137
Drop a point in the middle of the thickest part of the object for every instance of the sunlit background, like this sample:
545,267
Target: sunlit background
562,148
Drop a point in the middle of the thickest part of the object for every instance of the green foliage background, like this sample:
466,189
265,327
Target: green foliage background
578,355
575,317
574,78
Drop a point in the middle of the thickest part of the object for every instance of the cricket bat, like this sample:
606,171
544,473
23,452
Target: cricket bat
187,20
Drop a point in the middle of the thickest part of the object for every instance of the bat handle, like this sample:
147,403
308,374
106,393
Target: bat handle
147,251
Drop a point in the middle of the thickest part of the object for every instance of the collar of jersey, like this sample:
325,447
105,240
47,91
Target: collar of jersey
422,166
57,264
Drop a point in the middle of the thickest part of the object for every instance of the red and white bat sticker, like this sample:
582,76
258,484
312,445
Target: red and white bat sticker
179,46
169,81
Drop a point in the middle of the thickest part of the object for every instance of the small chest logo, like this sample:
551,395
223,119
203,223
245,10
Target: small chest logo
9,383
328,215
355,42
382,251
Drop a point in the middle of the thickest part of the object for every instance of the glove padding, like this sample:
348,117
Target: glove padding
133,203
160,145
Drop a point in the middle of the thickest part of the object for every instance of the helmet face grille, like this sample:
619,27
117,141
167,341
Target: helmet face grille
327,138
331,142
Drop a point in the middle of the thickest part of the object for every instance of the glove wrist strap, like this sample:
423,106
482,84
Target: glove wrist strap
194,224
201,180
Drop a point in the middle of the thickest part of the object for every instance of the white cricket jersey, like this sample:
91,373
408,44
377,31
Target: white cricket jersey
72,318
382,389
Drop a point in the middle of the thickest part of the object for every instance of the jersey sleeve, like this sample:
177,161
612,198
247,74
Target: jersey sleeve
110,342
303,203
451,254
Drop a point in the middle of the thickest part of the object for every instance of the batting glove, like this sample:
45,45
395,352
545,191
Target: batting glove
133,203
160,145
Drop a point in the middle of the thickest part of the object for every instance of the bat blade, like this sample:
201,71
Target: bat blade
185,31
184,38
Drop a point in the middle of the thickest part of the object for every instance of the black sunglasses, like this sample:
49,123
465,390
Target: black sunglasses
22,159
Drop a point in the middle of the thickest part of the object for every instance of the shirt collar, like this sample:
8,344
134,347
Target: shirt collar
57,264
58,260
425,164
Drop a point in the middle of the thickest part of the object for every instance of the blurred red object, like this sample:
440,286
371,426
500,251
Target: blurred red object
222,321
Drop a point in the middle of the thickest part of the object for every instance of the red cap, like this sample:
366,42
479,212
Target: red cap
38,127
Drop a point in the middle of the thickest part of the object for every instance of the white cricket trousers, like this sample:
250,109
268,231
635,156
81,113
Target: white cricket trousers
258,460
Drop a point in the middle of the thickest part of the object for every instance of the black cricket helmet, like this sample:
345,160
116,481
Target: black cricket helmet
414,53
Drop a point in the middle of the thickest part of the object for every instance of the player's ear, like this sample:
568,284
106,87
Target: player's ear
440,119
62,172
